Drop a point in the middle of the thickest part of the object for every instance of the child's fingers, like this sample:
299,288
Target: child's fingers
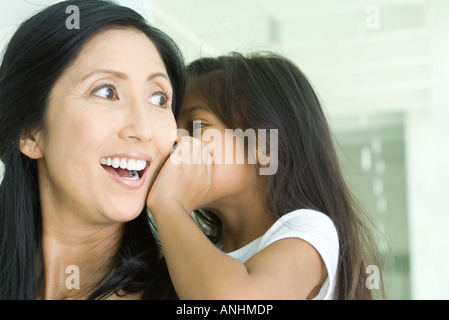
206,154
186,177
190,150
180,152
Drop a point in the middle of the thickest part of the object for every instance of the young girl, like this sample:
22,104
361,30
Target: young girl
294,234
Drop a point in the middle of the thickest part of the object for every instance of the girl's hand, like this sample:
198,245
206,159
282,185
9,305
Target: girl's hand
185,178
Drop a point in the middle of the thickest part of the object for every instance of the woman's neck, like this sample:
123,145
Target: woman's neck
75,257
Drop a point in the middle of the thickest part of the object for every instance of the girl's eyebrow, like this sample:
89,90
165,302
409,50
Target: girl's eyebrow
122,75
188,111
194,108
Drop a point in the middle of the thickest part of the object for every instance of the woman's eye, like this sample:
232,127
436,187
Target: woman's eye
159,99
108,92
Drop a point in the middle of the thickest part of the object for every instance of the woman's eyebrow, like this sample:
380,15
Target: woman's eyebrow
117,74
156,75
122,75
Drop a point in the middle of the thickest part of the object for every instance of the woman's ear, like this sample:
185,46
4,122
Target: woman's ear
29,145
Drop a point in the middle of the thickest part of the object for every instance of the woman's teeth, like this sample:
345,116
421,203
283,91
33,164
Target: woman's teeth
131,165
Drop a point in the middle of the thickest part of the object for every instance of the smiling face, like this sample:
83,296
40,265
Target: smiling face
107,131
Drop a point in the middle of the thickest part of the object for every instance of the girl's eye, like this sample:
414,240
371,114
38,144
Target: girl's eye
159,99
107,91
196,125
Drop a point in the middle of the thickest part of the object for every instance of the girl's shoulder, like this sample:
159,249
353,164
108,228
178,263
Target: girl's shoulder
310,225
318,230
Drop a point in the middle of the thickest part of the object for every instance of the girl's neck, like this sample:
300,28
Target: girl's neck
243,221
248,231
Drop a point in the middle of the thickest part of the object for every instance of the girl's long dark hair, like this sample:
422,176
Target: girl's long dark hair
39,52
267,91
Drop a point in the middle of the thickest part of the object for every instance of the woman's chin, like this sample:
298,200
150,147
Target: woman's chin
125,212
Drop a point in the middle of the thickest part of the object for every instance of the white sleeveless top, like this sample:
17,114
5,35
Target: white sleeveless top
309,225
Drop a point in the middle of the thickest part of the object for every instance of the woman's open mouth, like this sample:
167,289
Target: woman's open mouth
125,169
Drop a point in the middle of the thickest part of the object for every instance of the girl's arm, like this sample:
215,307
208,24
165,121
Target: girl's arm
287,269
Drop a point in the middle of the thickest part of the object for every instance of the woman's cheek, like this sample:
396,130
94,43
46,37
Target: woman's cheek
165,137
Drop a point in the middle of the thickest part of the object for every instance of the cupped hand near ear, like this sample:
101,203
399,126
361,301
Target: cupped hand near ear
185,178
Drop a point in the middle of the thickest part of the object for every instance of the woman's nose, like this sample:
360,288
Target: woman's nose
137,124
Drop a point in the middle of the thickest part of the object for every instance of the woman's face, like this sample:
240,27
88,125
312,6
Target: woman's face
108,127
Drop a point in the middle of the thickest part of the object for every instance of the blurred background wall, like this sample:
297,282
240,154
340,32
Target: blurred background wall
381,70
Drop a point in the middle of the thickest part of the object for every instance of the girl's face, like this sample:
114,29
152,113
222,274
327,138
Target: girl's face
233,175
108,127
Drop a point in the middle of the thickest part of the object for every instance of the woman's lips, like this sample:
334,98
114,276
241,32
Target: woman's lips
128,169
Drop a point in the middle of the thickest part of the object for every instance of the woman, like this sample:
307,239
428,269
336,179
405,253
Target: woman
85,122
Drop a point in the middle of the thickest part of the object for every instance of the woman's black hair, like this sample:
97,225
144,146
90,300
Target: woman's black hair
267,91
37,55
